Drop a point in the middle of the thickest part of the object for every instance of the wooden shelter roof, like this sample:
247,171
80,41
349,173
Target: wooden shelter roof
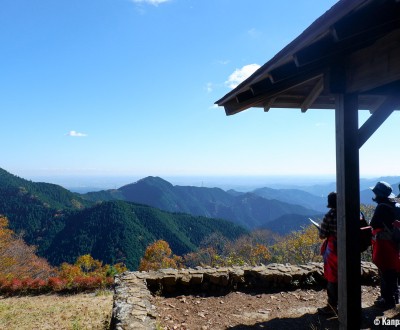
357,38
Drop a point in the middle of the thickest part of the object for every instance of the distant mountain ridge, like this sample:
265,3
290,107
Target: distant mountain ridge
116,225
323,190
246,209
294,196
63,225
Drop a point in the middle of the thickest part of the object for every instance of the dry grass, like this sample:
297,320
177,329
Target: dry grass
75,312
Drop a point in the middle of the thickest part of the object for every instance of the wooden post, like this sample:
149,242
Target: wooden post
348,210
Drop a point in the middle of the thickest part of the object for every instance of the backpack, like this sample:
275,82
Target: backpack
365,233
394,232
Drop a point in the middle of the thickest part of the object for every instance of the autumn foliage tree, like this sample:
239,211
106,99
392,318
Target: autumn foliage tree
216,250
298,247
159,255
22,271
19,260
247,250
205,256
88,273
87,266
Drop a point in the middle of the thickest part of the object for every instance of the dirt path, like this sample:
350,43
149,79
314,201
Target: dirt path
281,310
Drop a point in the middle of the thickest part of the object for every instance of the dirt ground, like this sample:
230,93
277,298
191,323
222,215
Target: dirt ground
280,310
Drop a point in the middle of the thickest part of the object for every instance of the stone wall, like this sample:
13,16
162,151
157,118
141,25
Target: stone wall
132,308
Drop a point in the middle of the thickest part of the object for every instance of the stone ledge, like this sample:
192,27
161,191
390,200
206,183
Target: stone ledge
132,308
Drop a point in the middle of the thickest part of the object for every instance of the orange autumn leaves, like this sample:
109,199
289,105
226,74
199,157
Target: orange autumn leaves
259,247
17,259
23,272
159,255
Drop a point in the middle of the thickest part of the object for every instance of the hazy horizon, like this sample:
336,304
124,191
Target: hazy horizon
84,184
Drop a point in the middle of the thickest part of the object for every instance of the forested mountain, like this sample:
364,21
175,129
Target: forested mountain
246,209
290,222
64,226
294,196
36,209
49,195
119,231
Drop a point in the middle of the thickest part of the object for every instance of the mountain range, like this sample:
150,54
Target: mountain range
64,226
117,224
250,210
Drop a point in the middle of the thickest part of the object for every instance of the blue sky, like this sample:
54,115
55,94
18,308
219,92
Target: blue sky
119,87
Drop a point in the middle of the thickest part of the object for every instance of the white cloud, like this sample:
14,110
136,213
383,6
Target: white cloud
75,134
223,62
209,87
253,33
151,2
241,74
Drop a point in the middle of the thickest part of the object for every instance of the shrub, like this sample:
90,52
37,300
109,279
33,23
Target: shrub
36,285
84,283
57,284
15,285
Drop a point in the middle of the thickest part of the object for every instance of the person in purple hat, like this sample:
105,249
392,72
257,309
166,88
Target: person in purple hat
385,252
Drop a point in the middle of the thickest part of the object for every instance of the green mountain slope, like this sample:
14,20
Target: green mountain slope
64,226
119,231
291,222
248,210
37,210
49,195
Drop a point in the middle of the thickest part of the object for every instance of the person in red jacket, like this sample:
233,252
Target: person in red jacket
385,253
328,232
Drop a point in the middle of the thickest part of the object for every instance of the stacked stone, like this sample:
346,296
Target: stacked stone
132,308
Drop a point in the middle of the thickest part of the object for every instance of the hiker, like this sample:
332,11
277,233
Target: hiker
385,253
329,252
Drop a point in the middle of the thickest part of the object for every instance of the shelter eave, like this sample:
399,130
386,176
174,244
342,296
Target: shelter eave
318,30
359,41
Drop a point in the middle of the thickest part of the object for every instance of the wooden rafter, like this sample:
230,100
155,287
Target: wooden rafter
313,95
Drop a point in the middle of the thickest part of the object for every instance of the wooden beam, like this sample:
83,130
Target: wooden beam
348,210
377,118
316,51
371,20
269,103
283,72
374,66
313,95
234,106
260,86
244,96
